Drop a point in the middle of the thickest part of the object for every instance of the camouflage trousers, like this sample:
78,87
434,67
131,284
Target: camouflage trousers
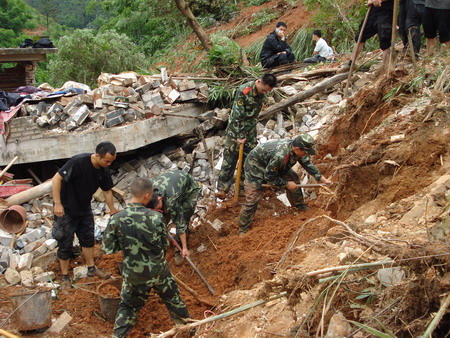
188,208
230,159
253,194
133,298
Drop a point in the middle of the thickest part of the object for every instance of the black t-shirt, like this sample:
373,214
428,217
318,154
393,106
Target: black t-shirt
80,181
387,7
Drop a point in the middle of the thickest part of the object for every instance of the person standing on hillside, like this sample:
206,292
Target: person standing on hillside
141,235
272,163
436,19
322,52
175,194
379,23
276,51
241,127
409,22
73,186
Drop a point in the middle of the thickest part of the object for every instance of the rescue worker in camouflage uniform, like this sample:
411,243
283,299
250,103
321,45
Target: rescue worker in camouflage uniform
272,163
175,194
141,235
242,127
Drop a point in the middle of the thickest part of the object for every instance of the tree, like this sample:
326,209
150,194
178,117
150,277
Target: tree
83,55
192,21
15,16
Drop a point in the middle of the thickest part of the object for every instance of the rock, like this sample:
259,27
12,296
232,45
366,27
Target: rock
201,248
27,278
338,326
371,220
37,270
217,224
80,272
25,261
288,90
45,277
271,124
51,243
390,276
165,161
334,98
12,276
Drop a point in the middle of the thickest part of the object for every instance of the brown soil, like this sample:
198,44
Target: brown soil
109,291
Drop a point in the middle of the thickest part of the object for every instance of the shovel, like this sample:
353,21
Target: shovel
175,243
239,171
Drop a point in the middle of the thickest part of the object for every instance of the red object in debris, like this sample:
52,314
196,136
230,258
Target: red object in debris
9,190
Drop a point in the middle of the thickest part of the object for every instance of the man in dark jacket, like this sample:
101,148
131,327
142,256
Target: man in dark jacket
276,51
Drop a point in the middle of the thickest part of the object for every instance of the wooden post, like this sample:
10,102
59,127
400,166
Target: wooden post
8,166
25,196
355,51
393,35
239,171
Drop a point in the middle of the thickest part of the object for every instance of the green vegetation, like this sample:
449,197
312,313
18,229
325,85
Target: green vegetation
83,55
259,20
15,16
339,20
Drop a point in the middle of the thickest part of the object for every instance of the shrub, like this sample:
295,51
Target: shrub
83,56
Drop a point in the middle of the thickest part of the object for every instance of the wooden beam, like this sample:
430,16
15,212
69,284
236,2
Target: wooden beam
321,86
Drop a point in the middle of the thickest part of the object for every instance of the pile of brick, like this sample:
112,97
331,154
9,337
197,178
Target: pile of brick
118,99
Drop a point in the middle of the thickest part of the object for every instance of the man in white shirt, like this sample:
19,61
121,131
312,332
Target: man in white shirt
322,52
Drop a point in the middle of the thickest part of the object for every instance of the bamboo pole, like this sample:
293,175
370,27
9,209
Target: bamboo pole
7,334
240,309
393,35
9,166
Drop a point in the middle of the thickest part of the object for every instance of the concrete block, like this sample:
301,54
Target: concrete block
86,99
114,114
37,270
81,115
108,100
186,85
25,261
173,96
30,247
27,279
41,108
5,238
114,122
14,260
55,108
143,89
44,260
80,272
130,115
71,124
40,250
203,89
188,95
51,243
42,121
4,258
45,277
72,106
165,161
12,276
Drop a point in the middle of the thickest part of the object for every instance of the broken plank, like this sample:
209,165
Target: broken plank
60,323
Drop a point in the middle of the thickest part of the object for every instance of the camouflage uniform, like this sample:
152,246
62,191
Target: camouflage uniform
141,235
180,194
272,163
242,124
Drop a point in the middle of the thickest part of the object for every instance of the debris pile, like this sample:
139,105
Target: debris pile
119,98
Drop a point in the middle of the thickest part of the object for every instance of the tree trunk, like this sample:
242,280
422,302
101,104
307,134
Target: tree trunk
192,21
35,192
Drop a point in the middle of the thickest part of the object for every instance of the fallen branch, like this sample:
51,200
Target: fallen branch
434,323
321,86
240,309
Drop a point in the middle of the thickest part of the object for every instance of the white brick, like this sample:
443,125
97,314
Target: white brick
25,261
51,243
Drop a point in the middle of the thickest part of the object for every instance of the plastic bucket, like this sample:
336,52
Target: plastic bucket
109,303
34,309
13,219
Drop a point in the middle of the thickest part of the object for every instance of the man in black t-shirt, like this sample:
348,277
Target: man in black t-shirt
73,187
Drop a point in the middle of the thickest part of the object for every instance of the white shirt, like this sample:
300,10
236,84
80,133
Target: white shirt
323,49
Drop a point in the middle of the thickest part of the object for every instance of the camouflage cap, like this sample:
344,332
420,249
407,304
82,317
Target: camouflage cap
305,142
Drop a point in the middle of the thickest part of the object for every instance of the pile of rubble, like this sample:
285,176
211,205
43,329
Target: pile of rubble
118,99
